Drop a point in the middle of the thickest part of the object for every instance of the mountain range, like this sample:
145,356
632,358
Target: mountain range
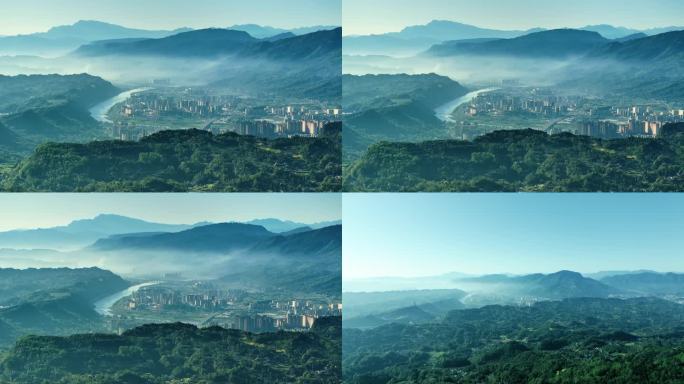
414,39
558,43
254,241
114,228
266,32
62,39
81,233
373,309
215,42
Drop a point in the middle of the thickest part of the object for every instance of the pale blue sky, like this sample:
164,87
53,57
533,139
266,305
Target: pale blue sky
26,16
412,235
379,16
48,210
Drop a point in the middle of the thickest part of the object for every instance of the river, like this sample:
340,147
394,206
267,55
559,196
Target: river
104,306
445,111
99,112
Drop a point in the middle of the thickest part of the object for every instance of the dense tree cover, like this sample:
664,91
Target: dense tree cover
179,353
92,283
21,93
53,301
40,108
374,91
394,108
571,341
187,160
524,160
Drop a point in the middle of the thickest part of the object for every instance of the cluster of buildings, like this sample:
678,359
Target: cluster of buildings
234,309
157,298
633,121
274,315
274,128
222,114
500,103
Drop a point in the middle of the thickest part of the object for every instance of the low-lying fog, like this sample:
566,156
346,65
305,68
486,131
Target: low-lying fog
486,70
138,70
197,265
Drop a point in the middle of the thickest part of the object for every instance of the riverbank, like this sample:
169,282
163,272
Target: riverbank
445,111
100,111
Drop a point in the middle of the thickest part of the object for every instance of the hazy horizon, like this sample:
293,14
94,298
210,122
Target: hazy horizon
385,234
33,16
32,211
359,17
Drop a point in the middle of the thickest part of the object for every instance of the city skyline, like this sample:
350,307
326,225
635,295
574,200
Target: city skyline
30,211
419,235
359,17
32,16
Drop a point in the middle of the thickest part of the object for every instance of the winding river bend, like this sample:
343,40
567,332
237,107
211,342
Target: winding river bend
445,111
99,112
104,306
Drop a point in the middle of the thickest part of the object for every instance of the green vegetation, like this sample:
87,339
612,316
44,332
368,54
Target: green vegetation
53,301
524,160
394,108
179,353
570,341
190,160
41,108
21,93
90,283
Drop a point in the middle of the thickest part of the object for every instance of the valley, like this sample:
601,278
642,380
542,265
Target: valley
593,81
214,80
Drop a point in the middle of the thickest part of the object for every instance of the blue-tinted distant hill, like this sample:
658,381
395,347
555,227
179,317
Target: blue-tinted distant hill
281,226
216,42
81,233
414,39
648,283
208,238
305,66
92,30
559,285
62,39
558,43
265,32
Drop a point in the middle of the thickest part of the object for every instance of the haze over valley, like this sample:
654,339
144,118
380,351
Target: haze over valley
113,276
462,84
544,287
93,81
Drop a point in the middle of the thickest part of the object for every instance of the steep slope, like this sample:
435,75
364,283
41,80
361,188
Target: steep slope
648,283
417,38
212,43
91,283
394,108
54,301
21,93
556,44
321,245
209,238
200,43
